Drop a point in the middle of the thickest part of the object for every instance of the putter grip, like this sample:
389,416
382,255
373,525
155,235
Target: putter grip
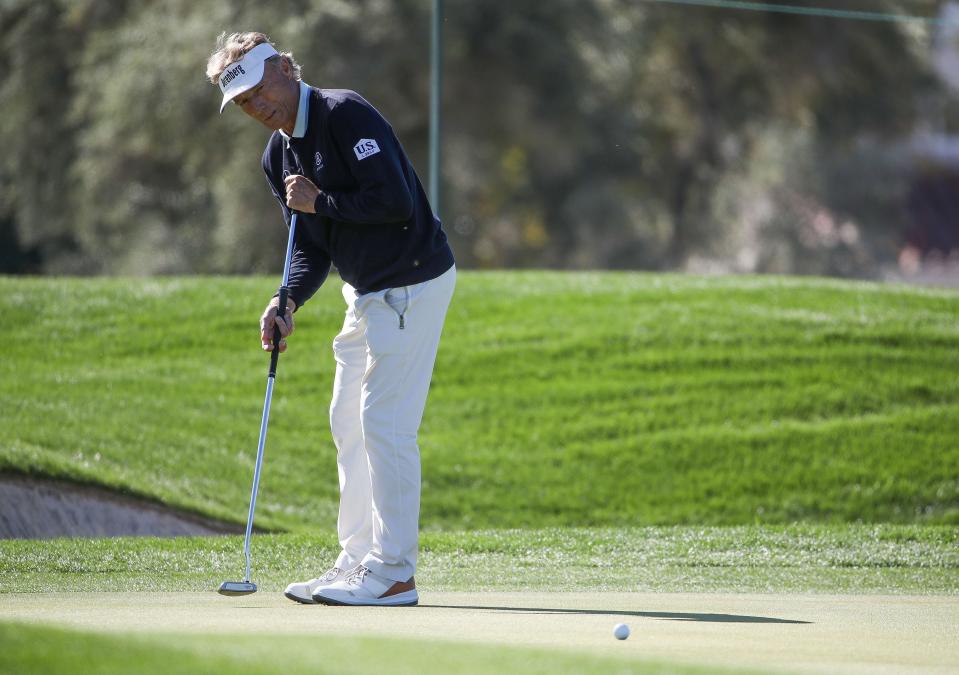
280,311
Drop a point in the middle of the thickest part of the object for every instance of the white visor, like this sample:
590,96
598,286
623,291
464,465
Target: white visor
244,74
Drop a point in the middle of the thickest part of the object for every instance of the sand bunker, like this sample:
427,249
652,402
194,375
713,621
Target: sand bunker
32,508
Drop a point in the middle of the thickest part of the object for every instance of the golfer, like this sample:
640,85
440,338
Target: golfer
336,161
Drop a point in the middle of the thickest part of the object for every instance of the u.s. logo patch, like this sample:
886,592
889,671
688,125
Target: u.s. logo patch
366,147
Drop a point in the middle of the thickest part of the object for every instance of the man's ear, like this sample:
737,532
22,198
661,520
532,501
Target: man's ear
286,67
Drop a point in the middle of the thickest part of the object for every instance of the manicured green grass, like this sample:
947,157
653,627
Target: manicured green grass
558,399
798,558
51,651
878,559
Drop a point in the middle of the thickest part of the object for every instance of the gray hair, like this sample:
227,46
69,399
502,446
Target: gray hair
230,48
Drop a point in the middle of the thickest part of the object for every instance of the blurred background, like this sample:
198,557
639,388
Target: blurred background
616,134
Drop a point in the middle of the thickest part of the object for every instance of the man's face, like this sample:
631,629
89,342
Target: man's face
274,101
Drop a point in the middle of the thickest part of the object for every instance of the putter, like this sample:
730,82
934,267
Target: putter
246,586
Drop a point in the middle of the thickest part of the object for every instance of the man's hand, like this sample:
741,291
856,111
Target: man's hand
270,319
300,193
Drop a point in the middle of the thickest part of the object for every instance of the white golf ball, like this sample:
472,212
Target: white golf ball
621,631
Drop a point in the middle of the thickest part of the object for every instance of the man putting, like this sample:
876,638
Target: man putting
336,161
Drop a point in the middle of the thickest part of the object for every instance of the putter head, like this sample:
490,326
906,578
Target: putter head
236,588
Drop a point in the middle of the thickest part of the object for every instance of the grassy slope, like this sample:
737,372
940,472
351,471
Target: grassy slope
558,398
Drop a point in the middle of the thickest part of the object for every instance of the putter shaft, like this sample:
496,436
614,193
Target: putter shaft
247,586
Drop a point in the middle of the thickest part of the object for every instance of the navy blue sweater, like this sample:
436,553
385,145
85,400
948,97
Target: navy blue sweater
373,220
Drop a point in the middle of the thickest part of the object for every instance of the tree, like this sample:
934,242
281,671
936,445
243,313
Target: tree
578,133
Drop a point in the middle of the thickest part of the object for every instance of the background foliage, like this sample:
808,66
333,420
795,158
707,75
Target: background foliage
578,133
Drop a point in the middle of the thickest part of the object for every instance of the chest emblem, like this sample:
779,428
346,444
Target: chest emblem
318,161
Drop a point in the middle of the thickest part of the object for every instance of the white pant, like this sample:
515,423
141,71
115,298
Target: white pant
384,361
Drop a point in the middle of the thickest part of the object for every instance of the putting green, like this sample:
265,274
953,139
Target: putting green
798,633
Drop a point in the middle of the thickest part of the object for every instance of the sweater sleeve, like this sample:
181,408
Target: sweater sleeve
383,193
309,265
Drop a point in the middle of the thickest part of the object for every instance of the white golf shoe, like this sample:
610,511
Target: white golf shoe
303,591
363,587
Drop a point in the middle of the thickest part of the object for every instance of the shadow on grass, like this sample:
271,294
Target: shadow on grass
669,616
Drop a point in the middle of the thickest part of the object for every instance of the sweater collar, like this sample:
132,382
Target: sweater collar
302,114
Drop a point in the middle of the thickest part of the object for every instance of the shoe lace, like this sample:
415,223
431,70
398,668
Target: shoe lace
357,574
331,574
